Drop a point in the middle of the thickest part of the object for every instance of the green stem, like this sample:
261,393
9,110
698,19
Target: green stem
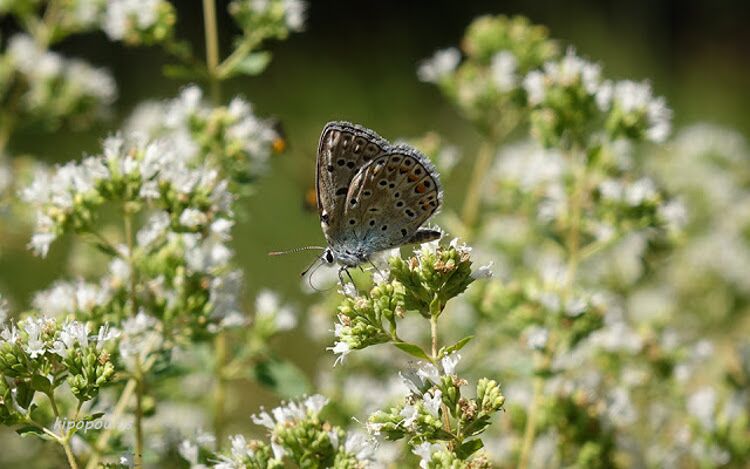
220,342
531,421
472,201
212,48
131,260
139,420
122,402
69,453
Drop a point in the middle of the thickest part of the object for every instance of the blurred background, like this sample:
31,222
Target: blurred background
356,61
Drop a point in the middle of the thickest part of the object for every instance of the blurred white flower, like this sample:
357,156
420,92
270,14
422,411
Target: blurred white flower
440,65
503,68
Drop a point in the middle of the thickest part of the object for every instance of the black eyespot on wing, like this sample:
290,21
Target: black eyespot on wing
350,164
384,227
400,203
372,222
353,201
341,162
403,231
341,191
409,213
330,168
352,221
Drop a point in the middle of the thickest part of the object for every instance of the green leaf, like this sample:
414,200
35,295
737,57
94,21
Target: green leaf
41,383
283,377
106,249
413,350
181,72
252,65
455,347
32,430
477,426
468,448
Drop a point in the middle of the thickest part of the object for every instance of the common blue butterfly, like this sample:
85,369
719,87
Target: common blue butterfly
372,196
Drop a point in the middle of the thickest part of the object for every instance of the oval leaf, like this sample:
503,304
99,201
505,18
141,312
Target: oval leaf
413,350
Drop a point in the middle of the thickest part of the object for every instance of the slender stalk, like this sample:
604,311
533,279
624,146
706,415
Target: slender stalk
69,453
221,340
139,420
472,201
531,420
212,48
131,260
434,334
220,389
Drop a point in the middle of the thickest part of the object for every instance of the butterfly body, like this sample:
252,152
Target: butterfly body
372,196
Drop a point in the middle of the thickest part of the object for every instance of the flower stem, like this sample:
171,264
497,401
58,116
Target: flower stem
131,260
472,201
531,421
220,342
69,453
139,421
434,334
212,48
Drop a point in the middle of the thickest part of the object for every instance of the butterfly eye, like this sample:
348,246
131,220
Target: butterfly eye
329,257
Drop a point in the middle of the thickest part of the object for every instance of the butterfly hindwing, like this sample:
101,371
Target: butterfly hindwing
391,197
343,150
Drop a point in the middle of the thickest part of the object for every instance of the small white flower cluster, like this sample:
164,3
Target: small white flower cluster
631,107
290,12
195,129
290,412
636,99
439,66
137,21
141,336
269,309
42,335
569,71
57,86
64,298
135,168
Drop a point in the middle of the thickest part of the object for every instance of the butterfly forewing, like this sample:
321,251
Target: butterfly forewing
390,197
343,150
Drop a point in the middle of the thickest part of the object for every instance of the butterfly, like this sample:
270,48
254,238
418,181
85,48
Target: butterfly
372,196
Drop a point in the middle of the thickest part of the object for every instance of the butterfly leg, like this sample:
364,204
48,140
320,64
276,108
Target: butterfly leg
344,270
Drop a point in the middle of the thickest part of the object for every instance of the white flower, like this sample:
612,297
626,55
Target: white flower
449,363
315,403
537,337
432,402
189,451
428,371
425,451
440,65
484,271
40,243
632,97
3,310
193,218
359,445
349,290
503,69
642,190
294,14
702,406
534,84
264,419
410,414
124,16
342,349
34,328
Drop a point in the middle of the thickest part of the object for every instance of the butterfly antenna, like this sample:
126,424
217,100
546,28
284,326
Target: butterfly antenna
295,250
